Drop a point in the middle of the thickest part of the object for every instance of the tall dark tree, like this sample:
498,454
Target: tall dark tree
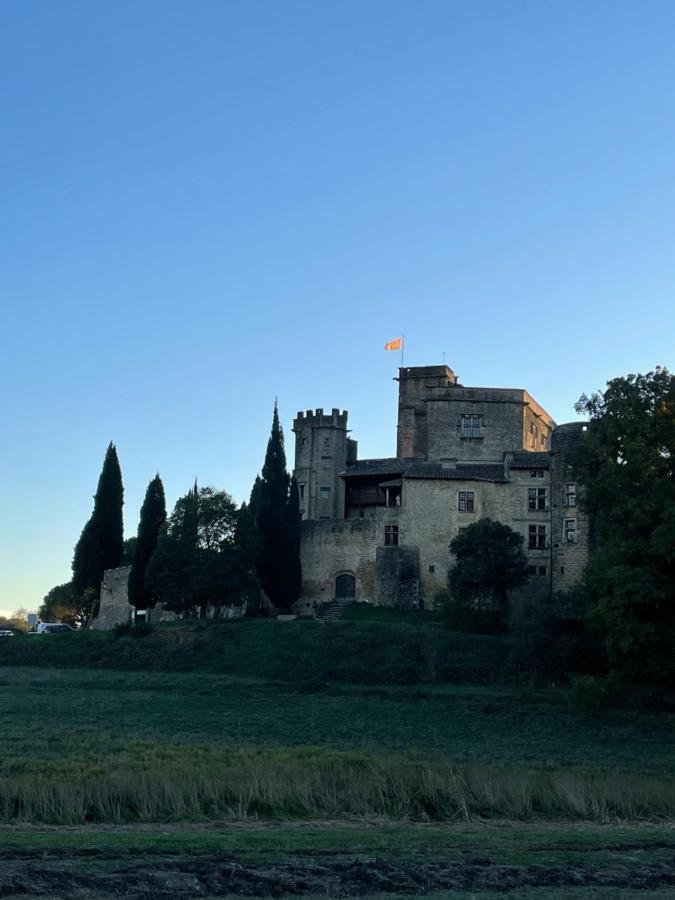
626,466
100,546
278,556
153,518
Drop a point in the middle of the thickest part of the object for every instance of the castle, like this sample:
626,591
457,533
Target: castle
379,529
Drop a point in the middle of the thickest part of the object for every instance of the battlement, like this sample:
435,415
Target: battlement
318,419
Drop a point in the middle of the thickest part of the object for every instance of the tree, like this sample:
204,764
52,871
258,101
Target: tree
64,604
153,518
100,545
198,564
277,519
19,619
626,466
489,563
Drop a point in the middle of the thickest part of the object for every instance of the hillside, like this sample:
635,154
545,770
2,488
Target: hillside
299,651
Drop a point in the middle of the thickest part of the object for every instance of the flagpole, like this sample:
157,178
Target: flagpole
402,345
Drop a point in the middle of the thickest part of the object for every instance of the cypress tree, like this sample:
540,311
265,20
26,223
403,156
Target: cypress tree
278,558
153,518
101,543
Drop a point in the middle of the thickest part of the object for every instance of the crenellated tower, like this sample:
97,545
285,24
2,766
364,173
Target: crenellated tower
322,451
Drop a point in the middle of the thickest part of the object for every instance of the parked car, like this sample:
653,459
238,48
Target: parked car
52,628
6,634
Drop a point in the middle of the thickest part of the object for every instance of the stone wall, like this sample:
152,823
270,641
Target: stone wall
340,546
569,558
430,519
114,606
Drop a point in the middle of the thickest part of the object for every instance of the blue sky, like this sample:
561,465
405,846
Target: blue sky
207,205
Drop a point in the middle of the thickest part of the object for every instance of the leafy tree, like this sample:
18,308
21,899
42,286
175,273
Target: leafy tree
198,563
277,519
153,518
100,545
489,563
626,465
19,619
65,604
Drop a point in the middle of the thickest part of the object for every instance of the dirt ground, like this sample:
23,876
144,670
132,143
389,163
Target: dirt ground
101,875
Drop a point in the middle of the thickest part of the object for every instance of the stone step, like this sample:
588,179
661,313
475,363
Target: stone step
335,610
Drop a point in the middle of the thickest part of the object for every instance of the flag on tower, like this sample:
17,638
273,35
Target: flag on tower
394,345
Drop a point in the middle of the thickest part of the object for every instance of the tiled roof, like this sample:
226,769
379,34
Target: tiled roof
526,459
363,467
466,472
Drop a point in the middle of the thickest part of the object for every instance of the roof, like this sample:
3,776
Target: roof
529,459
364,467
462,472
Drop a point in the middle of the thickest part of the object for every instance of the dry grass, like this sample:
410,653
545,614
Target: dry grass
189,784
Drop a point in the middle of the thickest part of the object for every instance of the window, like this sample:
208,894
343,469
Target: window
303,443
470,426
536,473
326,442
326,461
432,569
301,488
465,501
570,531
324,493
562,570
570,495
542,570
536,537
536,499
390,535
539,571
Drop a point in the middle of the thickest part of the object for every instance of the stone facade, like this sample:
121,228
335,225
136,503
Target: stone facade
379,529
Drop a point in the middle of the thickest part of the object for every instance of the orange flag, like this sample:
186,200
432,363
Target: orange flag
394,345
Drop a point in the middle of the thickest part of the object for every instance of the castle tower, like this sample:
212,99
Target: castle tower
414,387
322,451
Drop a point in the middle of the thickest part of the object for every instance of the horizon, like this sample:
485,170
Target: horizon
206,209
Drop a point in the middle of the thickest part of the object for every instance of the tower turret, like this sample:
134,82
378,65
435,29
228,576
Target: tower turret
322,450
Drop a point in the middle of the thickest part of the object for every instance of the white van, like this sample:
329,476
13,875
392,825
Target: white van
52,628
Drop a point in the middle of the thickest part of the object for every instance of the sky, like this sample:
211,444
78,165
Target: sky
207,206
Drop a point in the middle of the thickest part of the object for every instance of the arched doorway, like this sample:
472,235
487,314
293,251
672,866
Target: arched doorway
345,587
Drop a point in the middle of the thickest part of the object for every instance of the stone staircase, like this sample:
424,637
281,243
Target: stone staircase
335,610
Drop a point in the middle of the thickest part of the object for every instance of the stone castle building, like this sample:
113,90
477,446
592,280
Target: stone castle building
379,529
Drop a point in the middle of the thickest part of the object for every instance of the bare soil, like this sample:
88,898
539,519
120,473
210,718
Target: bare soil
101,875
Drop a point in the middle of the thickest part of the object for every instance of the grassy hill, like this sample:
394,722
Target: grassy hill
299,651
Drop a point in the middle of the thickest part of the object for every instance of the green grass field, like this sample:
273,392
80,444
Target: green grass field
113,745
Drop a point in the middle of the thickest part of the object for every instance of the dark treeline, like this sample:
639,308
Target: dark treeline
207,555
